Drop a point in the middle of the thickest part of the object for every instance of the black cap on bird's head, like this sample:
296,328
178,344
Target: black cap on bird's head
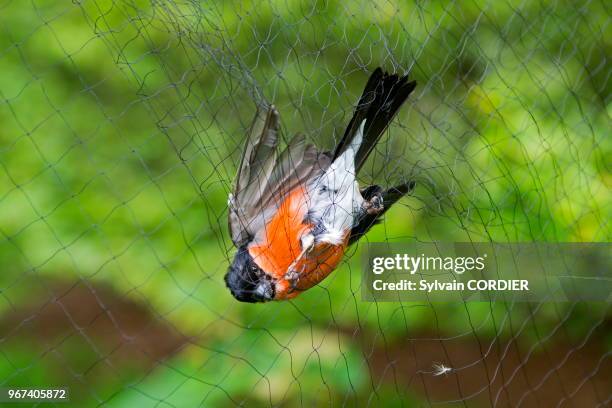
247,281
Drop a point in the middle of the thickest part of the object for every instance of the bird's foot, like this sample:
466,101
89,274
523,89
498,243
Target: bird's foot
374,204
293,277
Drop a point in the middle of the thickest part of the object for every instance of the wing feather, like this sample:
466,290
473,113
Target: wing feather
266,178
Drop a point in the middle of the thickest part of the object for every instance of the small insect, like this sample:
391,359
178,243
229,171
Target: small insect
440,369
292,215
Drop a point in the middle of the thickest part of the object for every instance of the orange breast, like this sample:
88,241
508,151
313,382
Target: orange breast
281,245
319,263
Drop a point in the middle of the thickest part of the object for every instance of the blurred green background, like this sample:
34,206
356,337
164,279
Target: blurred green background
122,123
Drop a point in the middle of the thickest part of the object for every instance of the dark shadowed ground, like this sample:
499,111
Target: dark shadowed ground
118,340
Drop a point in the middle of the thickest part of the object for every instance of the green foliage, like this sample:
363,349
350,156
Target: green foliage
123,121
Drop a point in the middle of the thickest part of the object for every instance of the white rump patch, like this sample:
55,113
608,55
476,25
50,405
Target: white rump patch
335,197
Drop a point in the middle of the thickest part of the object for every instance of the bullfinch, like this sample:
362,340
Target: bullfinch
293,214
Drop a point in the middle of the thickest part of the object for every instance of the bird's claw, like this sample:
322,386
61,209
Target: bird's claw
293,277
375,204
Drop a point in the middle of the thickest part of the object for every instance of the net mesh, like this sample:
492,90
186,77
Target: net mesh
122,128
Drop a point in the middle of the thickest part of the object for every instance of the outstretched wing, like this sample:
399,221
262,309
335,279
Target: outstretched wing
256,165
265,178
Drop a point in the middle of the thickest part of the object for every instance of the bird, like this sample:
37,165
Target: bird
293,214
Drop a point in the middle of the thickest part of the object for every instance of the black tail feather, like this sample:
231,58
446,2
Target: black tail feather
381,99
390,197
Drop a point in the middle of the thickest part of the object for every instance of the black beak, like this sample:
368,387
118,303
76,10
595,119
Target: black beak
247,281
